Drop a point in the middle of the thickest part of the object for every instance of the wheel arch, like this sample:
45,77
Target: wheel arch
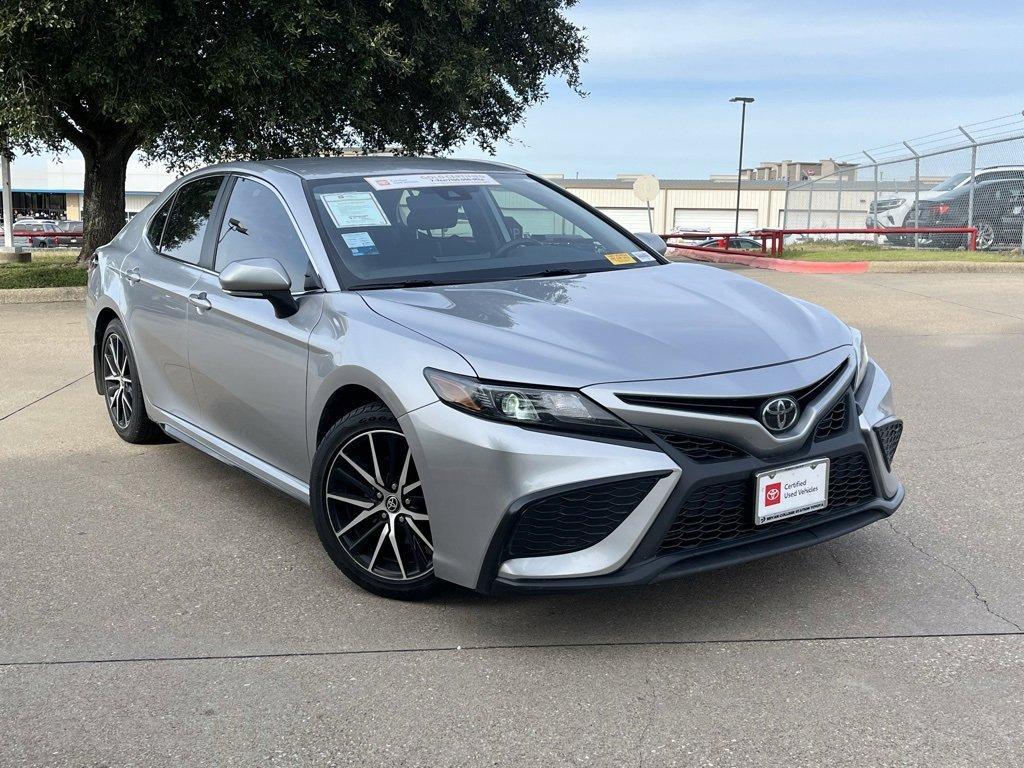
344,399
103,319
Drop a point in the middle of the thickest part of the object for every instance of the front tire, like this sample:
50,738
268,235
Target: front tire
122,390
368,506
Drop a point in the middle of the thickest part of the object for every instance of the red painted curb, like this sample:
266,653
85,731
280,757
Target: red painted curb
776,265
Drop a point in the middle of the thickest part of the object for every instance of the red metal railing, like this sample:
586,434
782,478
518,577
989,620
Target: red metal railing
773,240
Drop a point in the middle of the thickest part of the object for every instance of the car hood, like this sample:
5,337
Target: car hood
660,322
909,199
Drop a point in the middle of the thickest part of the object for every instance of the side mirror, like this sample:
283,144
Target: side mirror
261,278
652,241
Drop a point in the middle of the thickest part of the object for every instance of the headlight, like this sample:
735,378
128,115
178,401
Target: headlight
557,409
862,357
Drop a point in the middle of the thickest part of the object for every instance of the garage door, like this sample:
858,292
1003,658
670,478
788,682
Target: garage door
713,219
633,219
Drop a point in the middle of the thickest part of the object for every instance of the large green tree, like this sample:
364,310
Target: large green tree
195,81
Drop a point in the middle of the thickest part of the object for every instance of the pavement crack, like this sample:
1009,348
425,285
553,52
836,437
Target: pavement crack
832,553
652,700
554,646
963,576
43,397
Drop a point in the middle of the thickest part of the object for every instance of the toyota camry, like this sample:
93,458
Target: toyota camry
471,376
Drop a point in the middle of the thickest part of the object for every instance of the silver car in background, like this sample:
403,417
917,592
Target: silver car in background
471,376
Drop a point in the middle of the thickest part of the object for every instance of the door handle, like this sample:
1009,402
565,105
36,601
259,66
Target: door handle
133,275
199,301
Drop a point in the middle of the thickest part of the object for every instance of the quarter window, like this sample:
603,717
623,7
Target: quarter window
257,226
156,224
189,216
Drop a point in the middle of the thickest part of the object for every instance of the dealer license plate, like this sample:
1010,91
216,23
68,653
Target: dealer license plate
791,491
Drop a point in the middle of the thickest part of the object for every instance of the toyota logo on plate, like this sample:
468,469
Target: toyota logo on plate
780,413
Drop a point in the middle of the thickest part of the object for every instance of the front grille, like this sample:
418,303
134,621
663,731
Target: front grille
575,520
748,407
725,512
833,423
701,449
889,438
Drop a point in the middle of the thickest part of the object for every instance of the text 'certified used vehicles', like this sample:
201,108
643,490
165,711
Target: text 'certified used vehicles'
471,376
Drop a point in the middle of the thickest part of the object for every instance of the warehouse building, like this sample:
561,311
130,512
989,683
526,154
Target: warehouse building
684,204
54,187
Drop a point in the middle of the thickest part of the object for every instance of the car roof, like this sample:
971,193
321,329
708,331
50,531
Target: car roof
333,167
965,190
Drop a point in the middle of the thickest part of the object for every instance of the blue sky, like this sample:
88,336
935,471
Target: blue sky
829,78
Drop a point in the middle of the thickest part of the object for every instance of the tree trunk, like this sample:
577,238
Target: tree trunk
103,202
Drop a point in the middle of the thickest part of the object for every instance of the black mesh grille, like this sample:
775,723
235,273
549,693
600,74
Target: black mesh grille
834,422
723,512
701,449
889,437
577,519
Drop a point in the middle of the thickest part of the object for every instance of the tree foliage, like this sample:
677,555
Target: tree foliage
195,81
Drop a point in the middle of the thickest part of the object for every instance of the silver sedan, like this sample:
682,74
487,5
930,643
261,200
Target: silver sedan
473,377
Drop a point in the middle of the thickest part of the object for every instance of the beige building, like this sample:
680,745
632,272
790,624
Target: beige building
703,205
794,171
683,204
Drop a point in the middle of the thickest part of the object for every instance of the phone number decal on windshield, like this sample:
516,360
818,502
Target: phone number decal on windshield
429,180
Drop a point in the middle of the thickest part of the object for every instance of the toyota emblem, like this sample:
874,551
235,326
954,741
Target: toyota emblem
780,413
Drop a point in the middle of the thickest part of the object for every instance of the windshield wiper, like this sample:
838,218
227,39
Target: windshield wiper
553,273
399,284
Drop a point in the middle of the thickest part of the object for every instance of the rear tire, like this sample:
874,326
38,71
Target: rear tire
368,506
986,234
122,388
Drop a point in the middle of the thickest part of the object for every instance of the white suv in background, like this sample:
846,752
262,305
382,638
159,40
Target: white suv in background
897,210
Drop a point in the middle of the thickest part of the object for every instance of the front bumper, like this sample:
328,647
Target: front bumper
480,478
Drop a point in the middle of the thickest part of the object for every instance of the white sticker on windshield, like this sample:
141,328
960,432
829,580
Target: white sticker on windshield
360,243
354,209
643,256
429,180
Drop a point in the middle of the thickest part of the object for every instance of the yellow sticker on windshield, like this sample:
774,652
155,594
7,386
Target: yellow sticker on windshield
620,258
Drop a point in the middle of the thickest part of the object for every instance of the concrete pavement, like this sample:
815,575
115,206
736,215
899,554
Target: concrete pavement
159,608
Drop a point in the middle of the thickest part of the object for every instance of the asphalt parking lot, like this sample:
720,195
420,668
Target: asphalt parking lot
159,608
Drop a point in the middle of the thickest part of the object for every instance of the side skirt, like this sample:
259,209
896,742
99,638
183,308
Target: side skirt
212,445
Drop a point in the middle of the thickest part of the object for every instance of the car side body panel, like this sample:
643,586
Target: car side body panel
249,371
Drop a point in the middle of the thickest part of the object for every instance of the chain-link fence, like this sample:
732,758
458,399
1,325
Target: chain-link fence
972,175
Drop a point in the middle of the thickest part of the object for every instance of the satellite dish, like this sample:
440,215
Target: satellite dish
646,187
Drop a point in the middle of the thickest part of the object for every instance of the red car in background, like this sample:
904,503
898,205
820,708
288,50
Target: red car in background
47,233
71,234
36,233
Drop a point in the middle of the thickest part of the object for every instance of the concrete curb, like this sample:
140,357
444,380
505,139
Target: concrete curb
41,295
849,267
776,265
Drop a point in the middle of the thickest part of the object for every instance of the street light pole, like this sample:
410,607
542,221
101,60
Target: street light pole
744,100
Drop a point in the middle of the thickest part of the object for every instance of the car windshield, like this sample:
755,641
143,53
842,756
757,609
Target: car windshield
951,183
445,228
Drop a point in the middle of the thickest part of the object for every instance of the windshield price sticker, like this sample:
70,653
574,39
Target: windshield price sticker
620,258
430,180
354,209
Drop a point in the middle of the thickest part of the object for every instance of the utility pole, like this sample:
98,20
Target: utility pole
743,100
9,251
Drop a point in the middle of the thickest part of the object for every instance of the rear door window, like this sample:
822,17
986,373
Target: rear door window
188,219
